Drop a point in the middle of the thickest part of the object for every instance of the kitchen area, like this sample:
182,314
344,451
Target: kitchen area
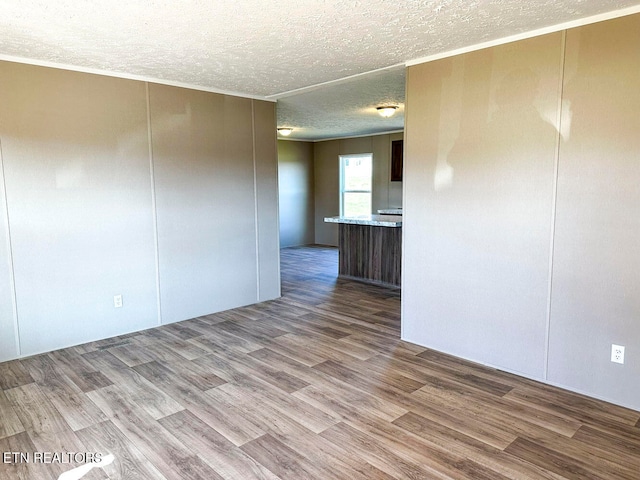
370,245
369,238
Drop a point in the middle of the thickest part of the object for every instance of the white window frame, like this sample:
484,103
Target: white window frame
341,159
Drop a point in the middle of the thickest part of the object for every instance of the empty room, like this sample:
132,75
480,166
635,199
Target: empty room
320,240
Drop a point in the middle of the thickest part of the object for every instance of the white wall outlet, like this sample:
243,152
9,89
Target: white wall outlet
617,353
117,301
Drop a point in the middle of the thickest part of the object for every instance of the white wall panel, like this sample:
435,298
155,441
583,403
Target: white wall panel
8,339
596,282
98,207
479,177
76,160
266,197
204,183
475,201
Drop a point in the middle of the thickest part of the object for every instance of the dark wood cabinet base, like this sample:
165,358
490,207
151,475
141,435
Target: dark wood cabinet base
370,253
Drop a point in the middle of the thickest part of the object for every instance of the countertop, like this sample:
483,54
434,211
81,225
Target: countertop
371,220
391,211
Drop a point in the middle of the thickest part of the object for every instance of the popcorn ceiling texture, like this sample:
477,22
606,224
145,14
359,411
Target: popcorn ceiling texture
348,107
264,47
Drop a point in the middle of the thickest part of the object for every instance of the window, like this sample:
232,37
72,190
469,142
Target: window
355,184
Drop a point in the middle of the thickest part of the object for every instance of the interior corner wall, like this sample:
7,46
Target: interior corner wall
296,193
385,194
95,196
520,221
265,172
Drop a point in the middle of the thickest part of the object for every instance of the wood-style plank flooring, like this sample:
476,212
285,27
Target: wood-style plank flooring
315,385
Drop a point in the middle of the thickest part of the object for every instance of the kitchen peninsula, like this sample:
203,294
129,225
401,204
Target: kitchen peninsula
370,248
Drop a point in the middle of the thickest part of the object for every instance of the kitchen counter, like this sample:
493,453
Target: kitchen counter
390,211
370,248
370,220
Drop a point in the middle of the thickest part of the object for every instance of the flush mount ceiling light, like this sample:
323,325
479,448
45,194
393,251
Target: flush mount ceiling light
387,110
285,131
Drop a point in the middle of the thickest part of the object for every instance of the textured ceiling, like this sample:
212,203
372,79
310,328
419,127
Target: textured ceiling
265,48
345,108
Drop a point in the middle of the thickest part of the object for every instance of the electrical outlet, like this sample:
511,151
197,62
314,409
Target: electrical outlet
617,353
117,301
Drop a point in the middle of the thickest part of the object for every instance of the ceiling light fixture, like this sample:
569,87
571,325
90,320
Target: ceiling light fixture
285,131
387,111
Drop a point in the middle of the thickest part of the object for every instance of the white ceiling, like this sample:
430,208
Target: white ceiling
346,108
270,49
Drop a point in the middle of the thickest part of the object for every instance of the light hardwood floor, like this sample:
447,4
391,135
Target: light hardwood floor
315,385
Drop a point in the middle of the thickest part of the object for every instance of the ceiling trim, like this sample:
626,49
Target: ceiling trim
340,138
337,81
530,34
128,76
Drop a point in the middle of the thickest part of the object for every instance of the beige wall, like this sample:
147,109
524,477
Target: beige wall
265,177
177,214
8,330
521,226
296,193
596,265
327,190
386,194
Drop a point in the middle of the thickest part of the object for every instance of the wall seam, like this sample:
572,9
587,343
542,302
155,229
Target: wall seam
154,206
255,198
12,276
554,199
